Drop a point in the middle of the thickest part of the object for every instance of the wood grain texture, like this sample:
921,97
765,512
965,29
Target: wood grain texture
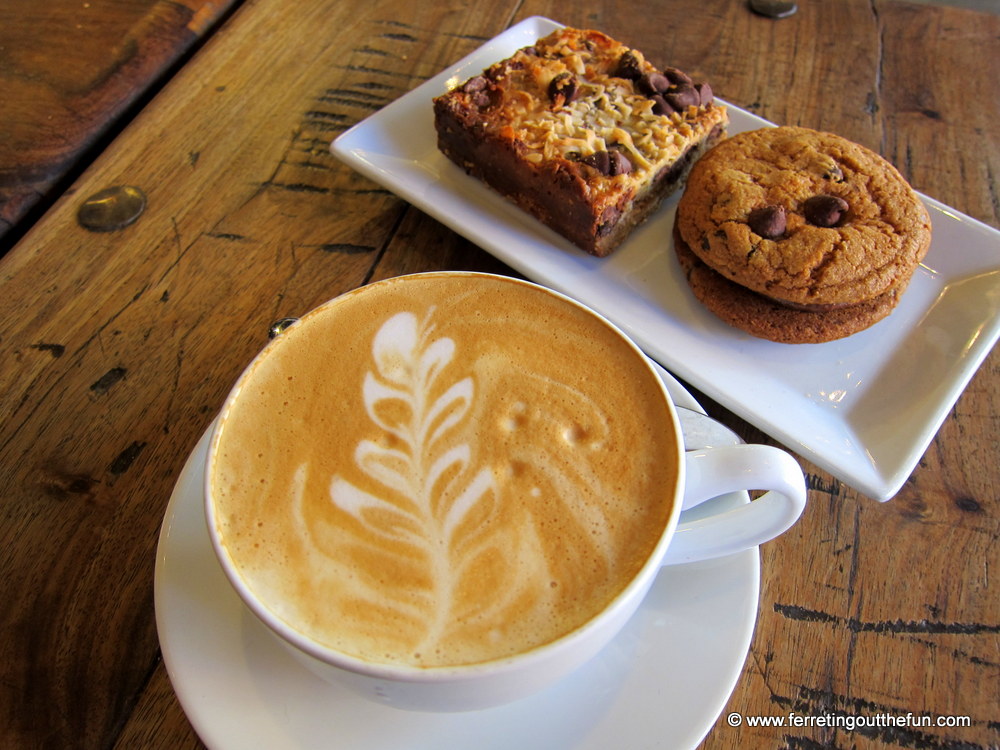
69,72
119,349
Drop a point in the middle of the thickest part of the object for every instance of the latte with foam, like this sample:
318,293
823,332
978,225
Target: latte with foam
443,469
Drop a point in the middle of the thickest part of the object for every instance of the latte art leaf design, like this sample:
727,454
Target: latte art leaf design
405,374
430,487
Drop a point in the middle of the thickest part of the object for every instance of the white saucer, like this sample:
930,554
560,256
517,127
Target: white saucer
661,683
862,408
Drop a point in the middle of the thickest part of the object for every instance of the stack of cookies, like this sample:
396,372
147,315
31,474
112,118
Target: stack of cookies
798,236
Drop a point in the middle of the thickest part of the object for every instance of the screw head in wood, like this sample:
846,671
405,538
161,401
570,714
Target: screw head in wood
112,208
773,8
279,326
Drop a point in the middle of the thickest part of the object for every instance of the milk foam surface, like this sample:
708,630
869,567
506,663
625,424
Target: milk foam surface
443,470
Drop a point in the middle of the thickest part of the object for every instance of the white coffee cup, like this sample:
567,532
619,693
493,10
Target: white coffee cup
699,476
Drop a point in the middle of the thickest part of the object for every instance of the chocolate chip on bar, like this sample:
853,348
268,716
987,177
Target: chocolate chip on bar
619,163
609,163
628,67
661,106
599,160
563,89
478,90
653,83
671,91
705,95
683,96
677,77
824,210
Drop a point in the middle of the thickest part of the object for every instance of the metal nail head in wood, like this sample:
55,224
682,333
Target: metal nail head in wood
773,8
112,208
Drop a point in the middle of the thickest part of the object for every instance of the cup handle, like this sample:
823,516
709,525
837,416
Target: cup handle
716,471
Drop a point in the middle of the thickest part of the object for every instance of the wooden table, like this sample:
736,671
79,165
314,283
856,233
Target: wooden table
118,347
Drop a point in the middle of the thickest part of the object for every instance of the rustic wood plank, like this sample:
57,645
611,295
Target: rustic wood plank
158,719
70,71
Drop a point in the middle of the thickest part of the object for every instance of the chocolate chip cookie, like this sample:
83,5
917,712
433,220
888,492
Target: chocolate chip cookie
824,231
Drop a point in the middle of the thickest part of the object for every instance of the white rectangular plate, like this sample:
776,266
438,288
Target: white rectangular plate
863,408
